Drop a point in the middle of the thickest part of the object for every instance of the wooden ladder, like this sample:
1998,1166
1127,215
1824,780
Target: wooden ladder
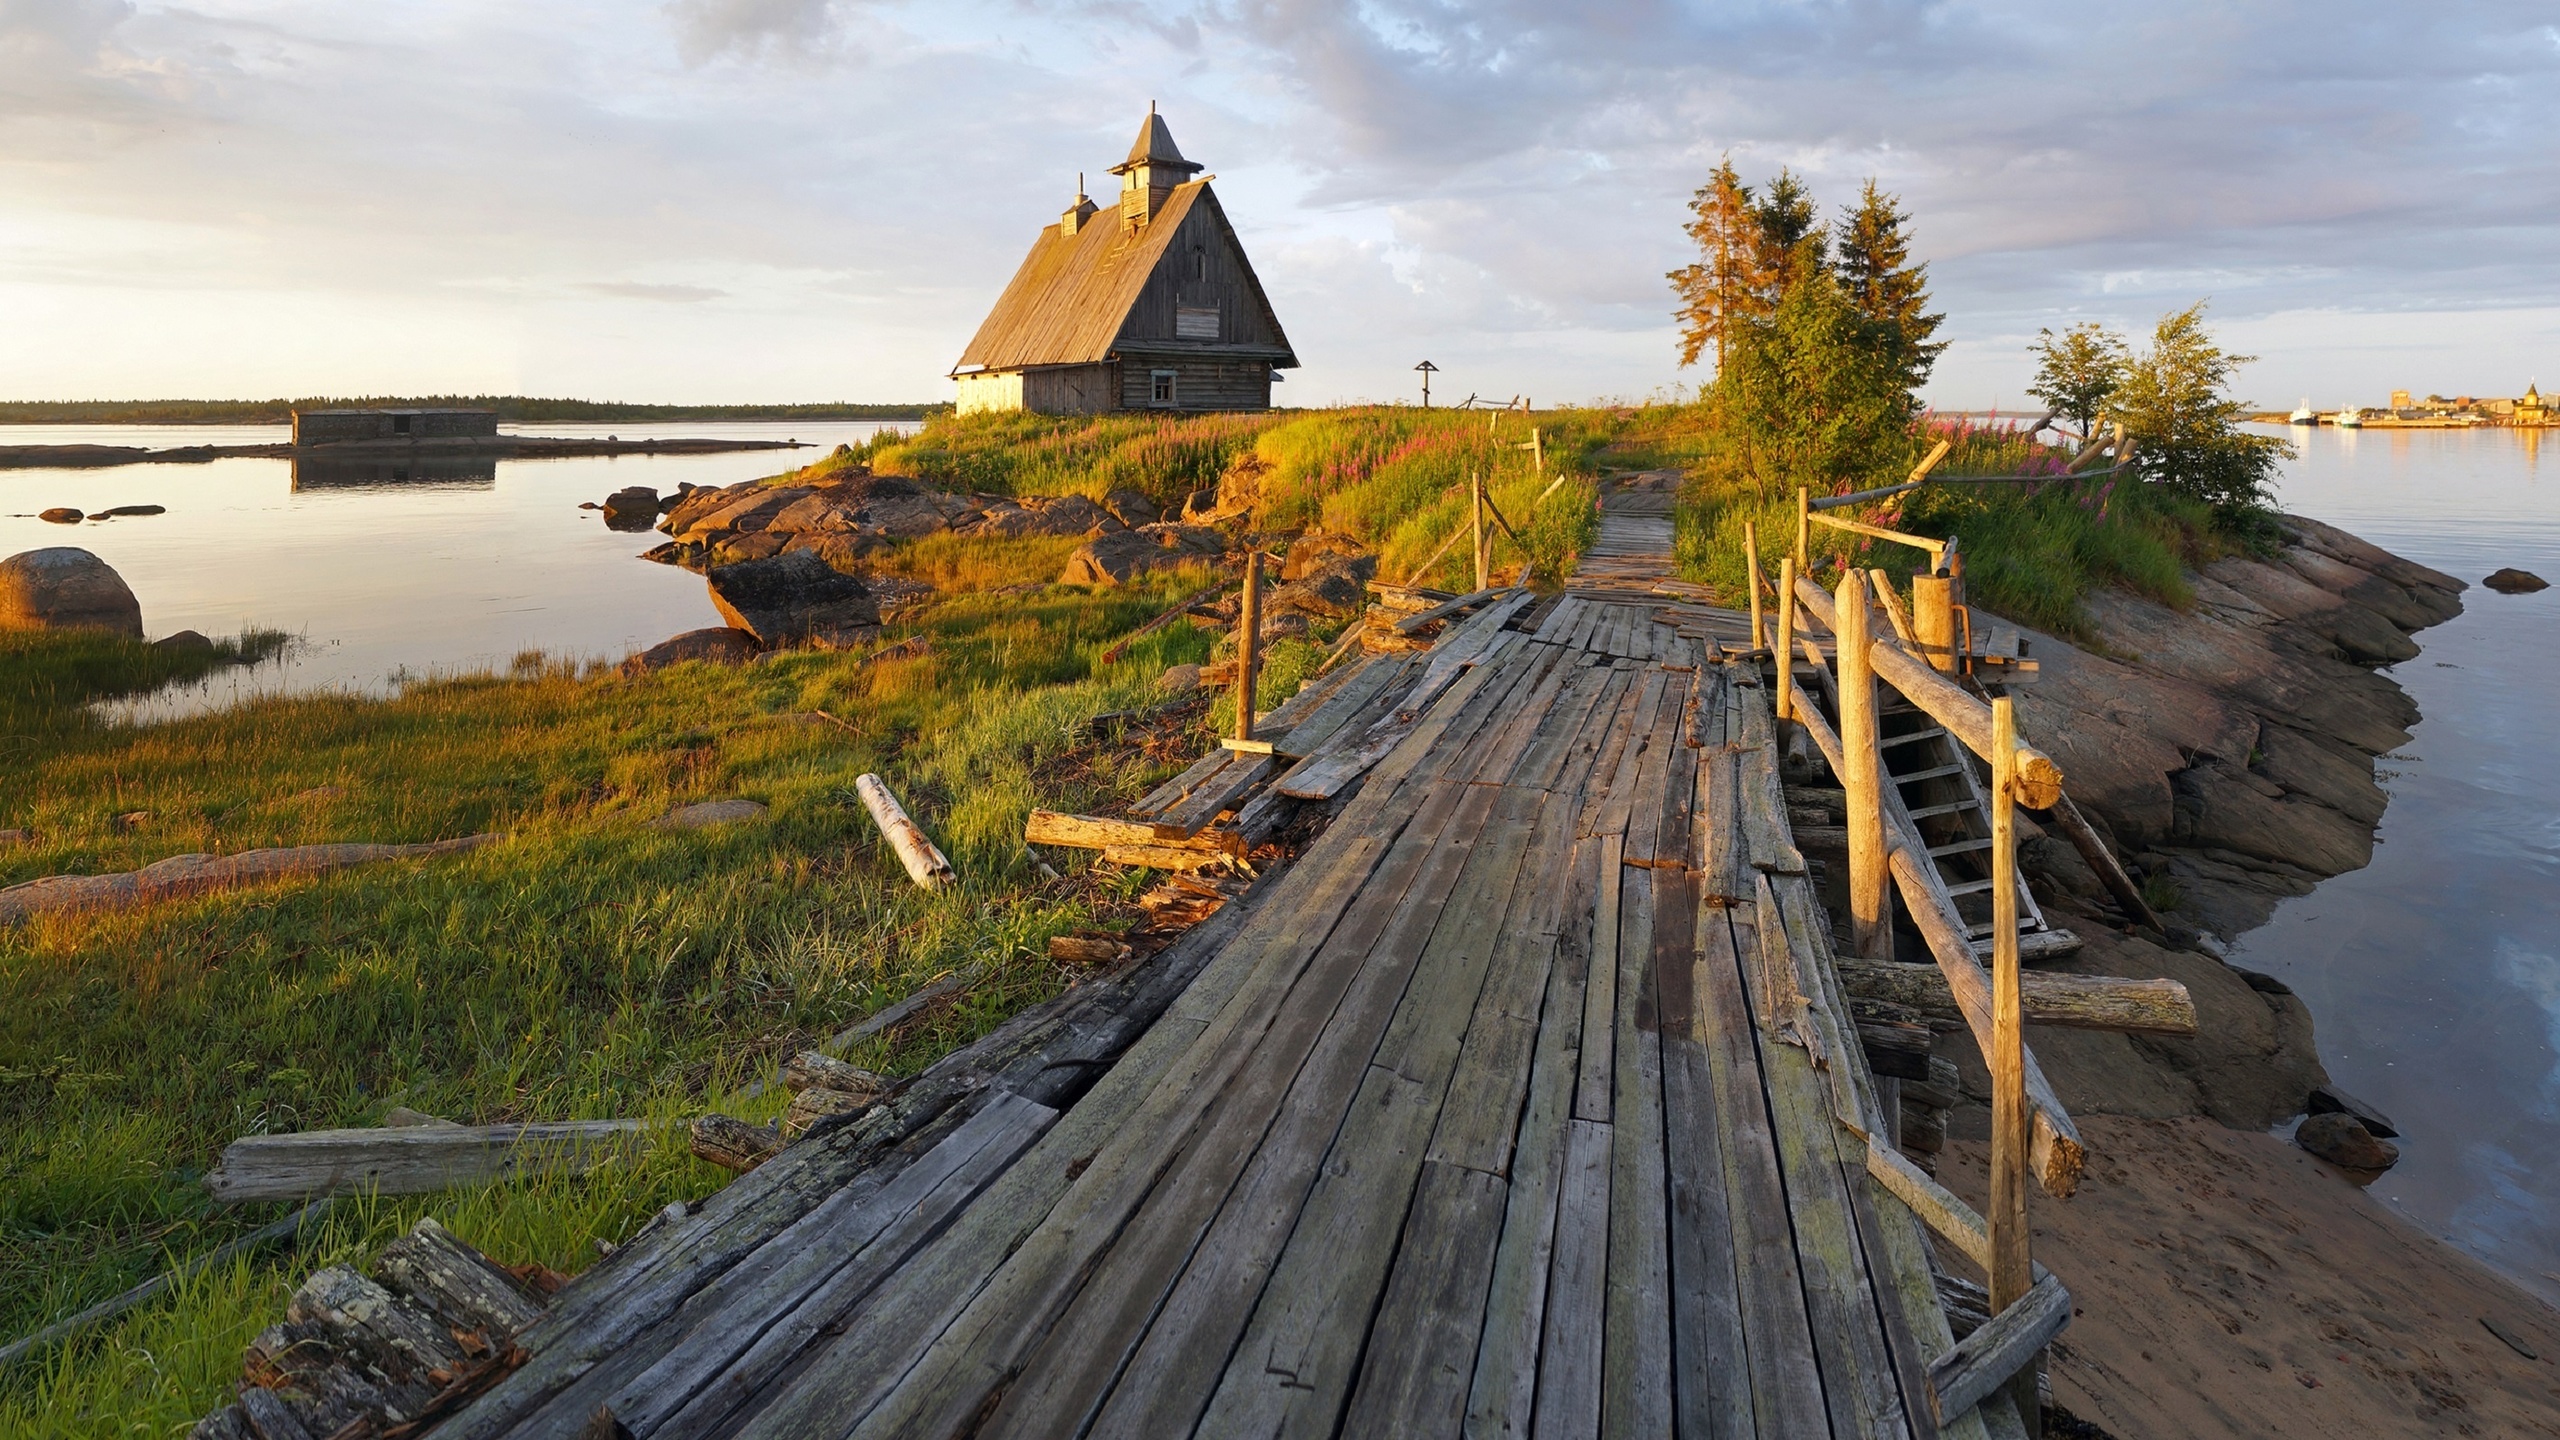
1936,780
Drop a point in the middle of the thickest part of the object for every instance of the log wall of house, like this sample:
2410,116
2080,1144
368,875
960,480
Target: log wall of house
1201,382
1203,269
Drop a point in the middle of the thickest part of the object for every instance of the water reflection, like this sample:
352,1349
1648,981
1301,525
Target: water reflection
443,572
2432,974
460,471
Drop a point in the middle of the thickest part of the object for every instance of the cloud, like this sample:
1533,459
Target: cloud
636,290
1503,178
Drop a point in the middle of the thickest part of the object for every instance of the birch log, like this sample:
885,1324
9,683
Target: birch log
925,864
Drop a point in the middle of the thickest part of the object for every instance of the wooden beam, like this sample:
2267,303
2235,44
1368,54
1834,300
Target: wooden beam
1094,832
2007,1055
1445,609
1121,647
1786,680
1964,716
2057,1153
1878,532
2084,838
1937,1207
417,1159
1985,1360
2078,1002
1759,630
1249,645
1870,923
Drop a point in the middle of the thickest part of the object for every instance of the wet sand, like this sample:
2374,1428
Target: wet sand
2224,1283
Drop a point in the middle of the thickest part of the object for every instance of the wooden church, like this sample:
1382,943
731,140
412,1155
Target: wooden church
1151,307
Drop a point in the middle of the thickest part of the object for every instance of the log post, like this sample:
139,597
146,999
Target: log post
1863,776
1249,641
1786,638
1933,619
1538,449
1759,630
2011,1269
1804,531
1484,561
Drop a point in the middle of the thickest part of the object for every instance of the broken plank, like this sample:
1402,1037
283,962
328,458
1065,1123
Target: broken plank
417,1160
1569,1356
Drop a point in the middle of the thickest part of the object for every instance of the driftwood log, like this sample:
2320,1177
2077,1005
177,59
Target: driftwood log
1092,832
2081,1002
184,875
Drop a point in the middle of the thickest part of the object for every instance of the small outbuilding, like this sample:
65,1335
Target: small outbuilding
1151,305
338,427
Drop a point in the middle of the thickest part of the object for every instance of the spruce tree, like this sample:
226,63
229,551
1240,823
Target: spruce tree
1792,247
1875,269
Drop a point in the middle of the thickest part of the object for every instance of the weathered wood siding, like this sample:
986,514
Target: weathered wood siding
993,390
1072,389
1202,269
1201,383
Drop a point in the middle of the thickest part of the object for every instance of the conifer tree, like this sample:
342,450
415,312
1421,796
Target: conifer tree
1725,285
1792,246
1874,264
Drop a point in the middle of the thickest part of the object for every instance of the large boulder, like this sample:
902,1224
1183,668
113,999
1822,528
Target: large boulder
694,504
1317,550
66,588
1055,515
1121,555
2342,1140
794,599
747,513
1132,508
633,507
717,645
2509,580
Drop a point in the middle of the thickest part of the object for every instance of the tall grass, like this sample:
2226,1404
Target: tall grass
2034,549
590,964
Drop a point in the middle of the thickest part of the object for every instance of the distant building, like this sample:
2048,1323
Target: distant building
2532,409
2400,400
1149,306
338,427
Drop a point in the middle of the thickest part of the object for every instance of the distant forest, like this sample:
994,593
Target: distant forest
509,407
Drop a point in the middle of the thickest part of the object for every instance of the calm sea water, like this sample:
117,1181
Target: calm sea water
386,580
2434,974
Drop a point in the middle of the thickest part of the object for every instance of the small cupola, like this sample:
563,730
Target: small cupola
1079,212
1153,169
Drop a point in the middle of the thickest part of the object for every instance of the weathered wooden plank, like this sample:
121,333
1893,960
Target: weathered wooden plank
1009,1261
1237,1173
1503,1394
1786,1388
1323,777
1985,1360
1319,727
1615,729
1561,620
415,1159
2086,1002
745,1332
1170,793
1617,800
1413,1379
1646,801
1568,737
1857,1371
1220,793
1711,1384
1568,1401
1497,746
1635,1383
1676,841
1764,805
1293,1367
1594,1094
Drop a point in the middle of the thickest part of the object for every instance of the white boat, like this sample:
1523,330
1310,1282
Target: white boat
2350,418
2302,414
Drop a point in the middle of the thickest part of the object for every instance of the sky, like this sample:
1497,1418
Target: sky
800,200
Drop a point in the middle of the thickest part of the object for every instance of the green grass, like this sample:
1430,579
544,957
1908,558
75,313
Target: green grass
2033,551
588,965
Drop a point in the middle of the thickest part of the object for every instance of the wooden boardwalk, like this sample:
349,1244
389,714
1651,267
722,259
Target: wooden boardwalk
1524,1102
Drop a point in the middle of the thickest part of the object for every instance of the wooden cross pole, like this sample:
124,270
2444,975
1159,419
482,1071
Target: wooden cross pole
1248,643
2012,1268
1862,775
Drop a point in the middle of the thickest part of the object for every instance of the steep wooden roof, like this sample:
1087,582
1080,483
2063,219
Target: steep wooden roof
1071,300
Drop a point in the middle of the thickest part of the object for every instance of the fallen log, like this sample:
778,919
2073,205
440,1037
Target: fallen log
415,1160
184,875
926,865
2080,1002
810,1070
734,1144
1093,832
1166,857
